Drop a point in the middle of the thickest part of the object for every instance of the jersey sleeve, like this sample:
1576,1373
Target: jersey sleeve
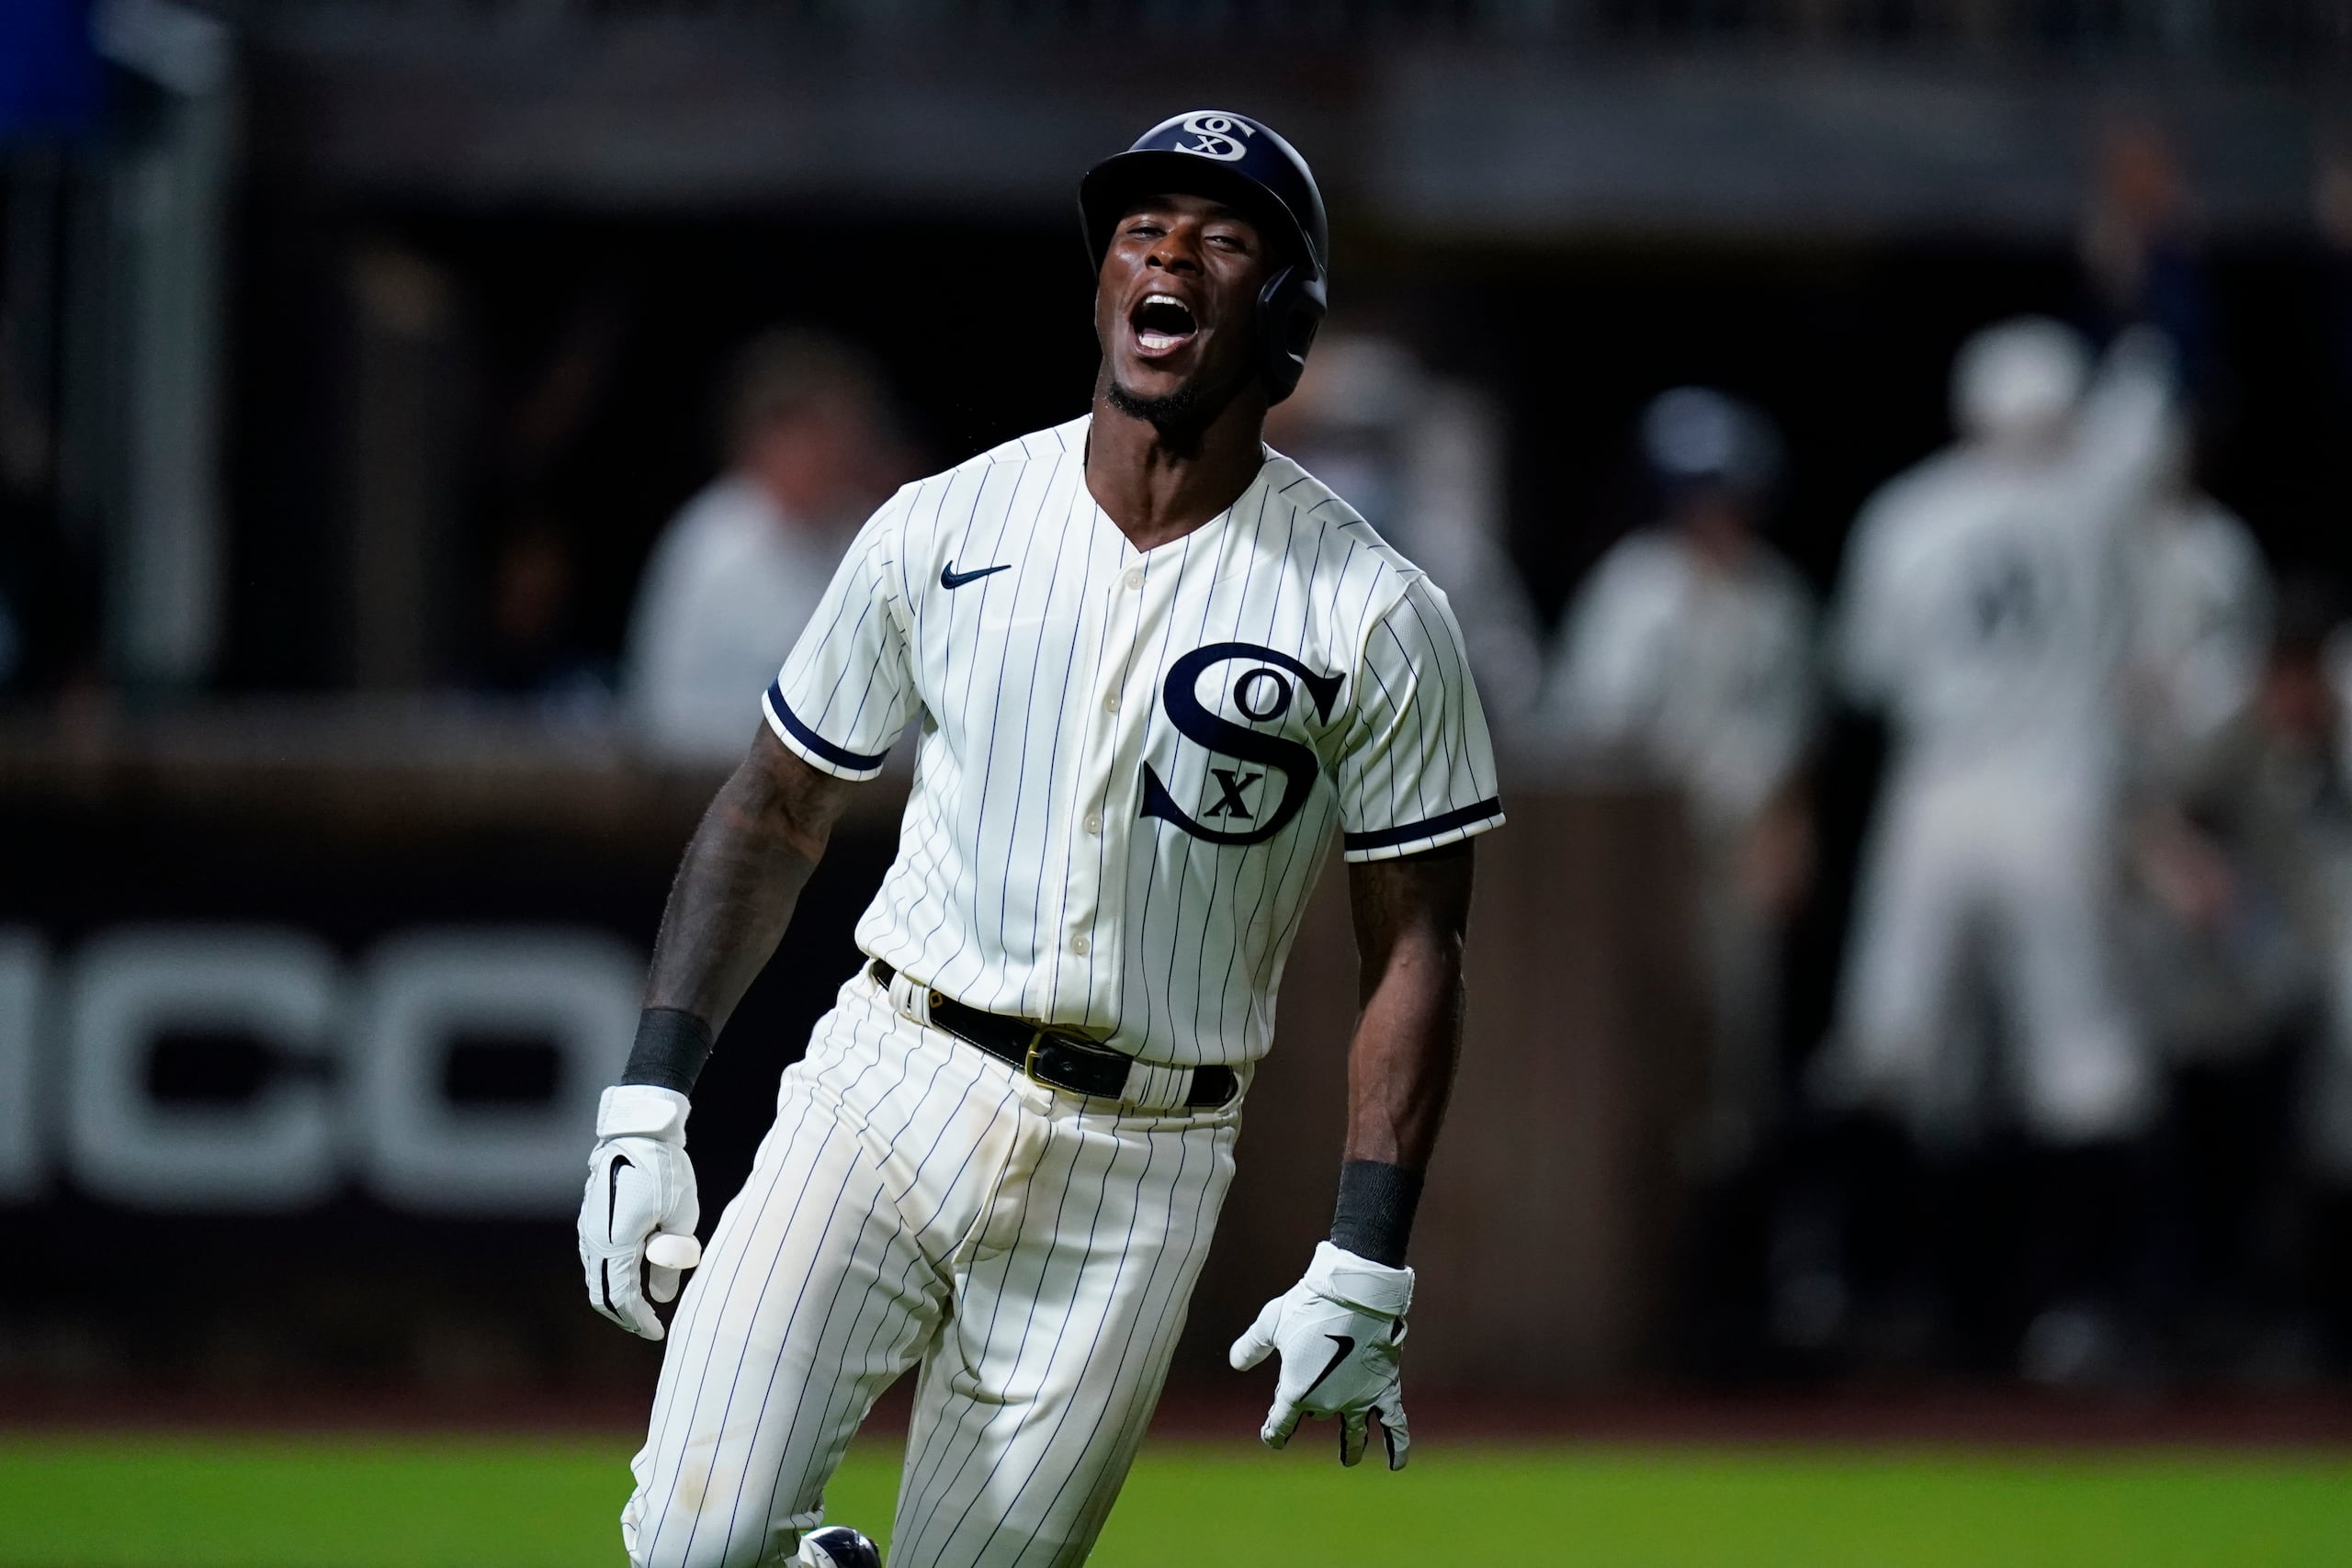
1419,768
848,688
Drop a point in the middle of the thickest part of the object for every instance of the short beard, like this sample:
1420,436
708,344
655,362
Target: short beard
1183,415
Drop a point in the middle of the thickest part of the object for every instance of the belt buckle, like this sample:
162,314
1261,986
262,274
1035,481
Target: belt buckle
1029,1059
1040,1038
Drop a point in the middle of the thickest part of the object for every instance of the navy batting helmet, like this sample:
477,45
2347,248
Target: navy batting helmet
1241,161
1696,435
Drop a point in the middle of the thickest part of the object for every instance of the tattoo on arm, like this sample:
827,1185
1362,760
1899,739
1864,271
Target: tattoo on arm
762,836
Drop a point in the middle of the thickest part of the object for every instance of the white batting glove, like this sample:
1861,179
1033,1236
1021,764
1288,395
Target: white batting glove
641,1197
1338,1331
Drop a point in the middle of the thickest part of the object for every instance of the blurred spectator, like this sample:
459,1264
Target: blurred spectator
1984,607
1688,657
734,577
1421,459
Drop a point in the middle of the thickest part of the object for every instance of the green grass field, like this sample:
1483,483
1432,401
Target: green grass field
283,1502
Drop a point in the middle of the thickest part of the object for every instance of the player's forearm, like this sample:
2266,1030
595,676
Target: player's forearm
735,890
1411,917
1400,1069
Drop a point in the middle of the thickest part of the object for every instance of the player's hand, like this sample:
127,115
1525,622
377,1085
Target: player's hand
640,1197
1337,1331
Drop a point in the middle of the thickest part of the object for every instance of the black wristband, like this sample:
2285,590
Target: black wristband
1375,1218
672,1046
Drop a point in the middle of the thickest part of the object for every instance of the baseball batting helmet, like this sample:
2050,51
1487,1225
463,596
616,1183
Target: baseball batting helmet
2019,379
1242,161
1696,435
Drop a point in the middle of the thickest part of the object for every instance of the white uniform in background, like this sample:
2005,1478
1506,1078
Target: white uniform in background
1130,769
2200,634
1702,679
1702,676
730,585
1985,607
2201,637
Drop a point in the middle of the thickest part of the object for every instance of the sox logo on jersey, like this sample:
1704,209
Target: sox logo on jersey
1261,694
1130,768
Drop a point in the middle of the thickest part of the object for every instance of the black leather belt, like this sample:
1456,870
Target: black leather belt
1074,1066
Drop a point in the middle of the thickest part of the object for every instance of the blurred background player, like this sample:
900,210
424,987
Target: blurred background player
2219,941
2200,628
2201,606
811,452
1984,608
1688,659
1420,455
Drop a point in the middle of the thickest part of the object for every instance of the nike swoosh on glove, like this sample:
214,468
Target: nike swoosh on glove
640,1185
1337,1331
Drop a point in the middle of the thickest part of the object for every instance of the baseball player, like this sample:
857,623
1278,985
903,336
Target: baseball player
1688,656
1985,606
1153,667
2200,624
2206,965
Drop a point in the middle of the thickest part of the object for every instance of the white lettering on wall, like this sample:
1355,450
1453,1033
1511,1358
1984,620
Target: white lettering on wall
421,994
358,1079
128,990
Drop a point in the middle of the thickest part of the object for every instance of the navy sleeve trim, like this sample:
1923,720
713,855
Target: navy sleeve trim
1490,806
839,756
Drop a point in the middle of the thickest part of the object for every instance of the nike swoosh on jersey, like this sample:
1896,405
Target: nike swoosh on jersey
613,1190
950,577
1345,1346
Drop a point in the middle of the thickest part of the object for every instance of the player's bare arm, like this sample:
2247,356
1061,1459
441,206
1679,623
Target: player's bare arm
1339,1329
761,836
1411,914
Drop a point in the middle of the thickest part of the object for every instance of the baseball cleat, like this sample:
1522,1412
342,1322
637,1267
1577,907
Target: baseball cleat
837,1546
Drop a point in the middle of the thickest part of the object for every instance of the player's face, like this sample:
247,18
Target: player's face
1175,305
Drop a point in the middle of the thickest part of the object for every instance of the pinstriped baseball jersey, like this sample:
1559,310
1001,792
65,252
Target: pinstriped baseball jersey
1131,762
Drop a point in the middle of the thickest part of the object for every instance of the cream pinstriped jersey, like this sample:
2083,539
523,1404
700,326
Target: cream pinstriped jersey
1131,763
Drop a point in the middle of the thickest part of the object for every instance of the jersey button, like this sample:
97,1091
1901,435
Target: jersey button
1134,578
1078,945
1094,821
1110,703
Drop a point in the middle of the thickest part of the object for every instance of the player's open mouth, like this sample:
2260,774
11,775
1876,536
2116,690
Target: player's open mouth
1162,324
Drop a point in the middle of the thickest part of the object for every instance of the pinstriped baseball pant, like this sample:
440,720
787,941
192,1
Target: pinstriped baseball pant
918,1204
